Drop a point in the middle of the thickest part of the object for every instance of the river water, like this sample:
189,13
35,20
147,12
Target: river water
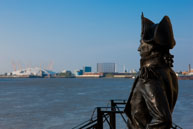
61,103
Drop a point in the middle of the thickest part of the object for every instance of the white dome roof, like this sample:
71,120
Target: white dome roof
32,71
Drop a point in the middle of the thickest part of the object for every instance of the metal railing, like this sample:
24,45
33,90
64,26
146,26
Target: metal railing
104,115
108,115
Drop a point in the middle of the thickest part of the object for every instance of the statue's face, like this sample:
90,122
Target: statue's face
144,48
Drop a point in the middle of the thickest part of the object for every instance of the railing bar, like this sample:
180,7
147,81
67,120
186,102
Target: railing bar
176,126
112,111
109,107
122,116
108,122
91,127
106,115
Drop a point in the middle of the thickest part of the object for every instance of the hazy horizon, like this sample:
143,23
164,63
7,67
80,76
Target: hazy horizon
76,33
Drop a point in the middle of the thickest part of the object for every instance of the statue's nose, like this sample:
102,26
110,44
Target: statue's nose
139,48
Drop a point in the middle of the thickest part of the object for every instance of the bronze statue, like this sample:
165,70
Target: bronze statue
154,92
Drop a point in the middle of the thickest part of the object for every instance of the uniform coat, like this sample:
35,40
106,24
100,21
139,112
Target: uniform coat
151,102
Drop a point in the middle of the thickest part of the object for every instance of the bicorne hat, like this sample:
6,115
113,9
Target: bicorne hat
161,33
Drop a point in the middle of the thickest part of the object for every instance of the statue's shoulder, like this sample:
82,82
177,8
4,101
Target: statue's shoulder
152,86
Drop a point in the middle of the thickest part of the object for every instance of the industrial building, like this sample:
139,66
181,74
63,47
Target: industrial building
106,67
87,69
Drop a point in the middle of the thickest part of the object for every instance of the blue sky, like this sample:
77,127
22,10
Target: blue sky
75,33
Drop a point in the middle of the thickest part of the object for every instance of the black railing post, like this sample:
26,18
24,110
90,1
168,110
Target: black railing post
112,115
99,118
105,114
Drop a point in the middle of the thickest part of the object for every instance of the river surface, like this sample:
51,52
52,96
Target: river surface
59,103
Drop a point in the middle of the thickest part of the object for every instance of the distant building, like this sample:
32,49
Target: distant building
79,72
64,71
106,67
91,75
133,71
189,72
87,69
39,72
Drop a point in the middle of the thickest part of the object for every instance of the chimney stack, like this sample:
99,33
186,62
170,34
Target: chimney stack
189,68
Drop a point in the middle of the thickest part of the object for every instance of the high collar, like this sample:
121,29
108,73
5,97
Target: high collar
156,61
149,67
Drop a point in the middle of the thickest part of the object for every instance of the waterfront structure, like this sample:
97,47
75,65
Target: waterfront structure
64,71
32,72
189,72
106,67
78,72
87,69
133,71
124,75
65,74
91,75
186,75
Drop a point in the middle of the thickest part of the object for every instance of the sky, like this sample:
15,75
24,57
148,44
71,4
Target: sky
70,34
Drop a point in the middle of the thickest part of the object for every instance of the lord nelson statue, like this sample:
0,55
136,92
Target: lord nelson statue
154,92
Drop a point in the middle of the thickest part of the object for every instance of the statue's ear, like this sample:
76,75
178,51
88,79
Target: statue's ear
146,28
163,34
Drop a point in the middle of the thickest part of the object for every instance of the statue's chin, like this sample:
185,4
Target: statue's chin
144,54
